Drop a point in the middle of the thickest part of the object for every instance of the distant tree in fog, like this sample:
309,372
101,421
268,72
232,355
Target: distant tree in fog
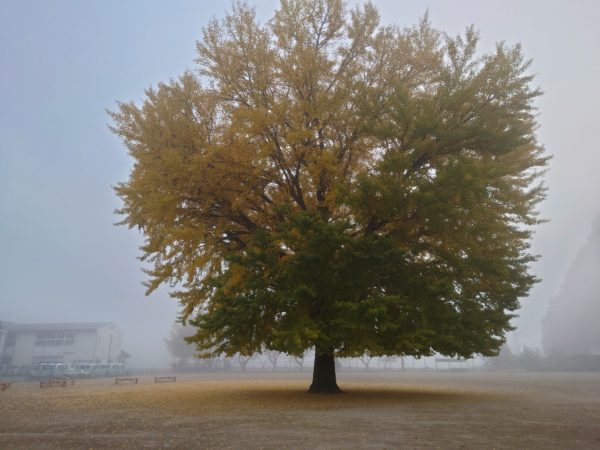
572,325
273,357
178,347
366,360
506,359
332,183
243,360
387,361
123,356
297,361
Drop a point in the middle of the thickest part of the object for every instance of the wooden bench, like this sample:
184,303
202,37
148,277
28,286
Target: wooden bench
4,385
126,380
53,383
450,361
165,379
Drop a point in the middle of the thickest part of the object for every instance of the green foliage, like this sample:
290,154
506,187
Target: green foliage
338,184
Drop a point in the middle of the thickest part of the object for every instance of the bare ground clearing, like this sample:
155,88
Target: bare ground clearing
272,410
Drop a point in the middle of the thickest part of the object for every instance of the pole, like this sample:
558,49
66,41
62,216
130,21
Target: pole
109,348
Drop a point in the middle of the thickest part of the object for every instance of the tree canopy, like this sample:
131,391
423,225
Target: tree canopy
327,181
177,346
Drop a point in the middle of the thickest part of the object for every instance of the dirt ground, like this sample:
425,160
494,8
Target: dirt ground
271,410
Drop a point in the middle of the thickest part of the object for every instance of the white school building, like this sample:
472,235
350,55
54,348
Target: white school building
67,343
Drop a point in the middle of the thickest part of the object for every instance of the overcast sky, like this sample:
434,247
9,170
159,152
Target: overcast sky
63,63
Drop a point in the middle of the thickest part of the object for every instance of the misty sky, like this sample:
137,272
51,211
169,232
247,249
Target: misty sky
63,63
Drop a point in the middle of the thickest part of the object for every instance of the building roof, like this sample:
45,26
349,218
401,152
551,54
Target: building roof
81,326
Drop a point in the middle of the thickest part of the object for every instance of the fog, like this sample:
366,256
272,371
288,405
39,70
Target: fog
65,62
571,325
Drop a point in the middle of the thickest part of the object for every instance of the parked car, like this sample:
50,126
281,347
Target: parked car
48,370
85,369
108,370
100,370
75,372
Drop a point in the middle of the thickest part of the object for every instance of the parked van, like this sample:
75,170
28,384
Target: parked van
84,369
48,370
8,370
100,370
108,370
74,372
116,369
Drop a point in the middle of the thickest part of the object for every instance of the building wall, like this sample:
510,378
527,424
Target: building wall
84,347
81,348
24,348
92,345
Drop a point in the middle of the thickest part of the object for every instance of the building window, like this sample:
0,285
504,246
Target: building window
54,338
46,359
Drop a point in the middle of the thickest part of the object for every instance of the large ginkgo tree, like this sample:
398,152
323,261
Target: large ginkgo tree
324,181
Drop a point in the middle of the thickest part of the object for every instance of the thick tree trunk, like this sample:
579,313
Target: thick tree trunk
324,381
